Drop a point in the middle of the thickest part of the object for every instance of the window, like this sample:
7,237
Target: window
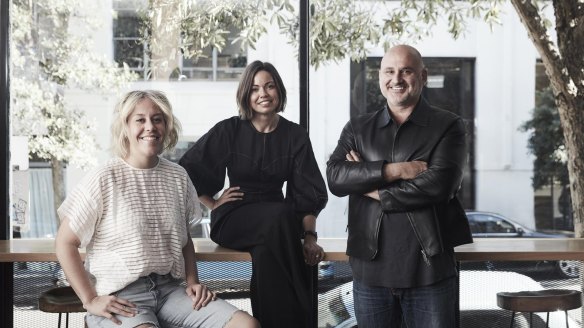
225,65
485,225
129,48
499,226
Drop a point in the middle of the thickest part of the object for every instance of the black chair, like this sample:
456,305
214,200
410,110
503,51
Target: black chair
60,300
548,300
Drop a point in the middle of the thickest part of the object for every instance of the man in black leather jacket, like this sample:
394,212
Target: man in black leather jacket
401,167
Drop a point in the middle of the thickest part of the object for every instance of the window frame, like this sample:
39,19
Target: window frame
116,39
213,70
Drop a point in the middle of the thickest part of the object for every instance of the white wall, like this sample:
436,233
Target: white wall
505,75
329,112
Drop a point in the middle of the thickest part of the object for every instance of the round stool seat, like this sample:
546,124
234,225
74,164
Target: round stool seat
60,300
548,300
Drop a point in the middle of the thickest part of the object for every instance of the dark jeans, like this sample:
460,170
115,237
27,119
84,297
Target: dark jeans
420,307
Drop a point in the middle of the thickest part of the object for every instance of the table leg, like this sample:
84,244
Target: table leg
457,301
7,301
314,288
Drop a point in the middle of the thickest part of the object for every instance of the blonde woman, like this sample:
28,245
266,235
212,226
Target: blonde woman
131,215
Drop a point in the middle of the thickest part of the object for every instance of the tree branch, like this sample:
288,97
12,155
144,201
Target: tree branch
537,32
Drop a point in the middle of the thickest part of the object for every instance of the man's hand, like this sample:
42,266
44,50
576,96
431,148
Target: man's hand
392,171
403,170
353,156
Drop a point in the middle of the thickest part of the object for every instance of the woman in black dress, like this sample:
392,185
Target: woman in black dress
261,151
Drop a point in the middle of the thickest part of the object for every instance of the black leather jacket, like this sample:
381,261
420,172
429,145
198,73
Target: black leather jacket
430,134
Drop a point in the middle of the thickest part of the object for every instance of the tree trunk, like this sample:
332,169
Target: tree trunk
58,173
570,98
563,65
164,43
573,125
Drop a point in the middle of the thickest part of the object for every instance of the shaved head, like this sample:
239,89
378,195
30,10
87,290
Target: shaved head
402,77
409,51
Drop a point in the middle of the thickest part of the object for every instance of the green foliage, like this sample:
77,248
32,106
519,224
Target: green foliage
338,28
546,141
205,24
48,58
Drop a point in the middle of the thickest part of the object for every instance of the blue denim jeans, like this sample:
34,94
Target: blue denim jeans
163,302
420,307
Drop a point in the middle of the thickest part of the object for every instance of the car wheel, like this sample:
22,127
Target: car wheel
570,269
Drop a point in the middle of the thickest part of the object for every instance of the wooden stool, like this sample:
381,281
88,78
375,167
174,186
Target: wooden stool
60,300
548,300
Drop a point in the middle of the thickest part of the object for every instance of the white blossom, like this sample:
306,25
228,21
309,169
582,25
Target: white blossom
561,154
572,88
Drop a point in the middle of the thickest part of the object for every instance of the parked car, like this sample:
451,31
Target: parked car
478,302
493,225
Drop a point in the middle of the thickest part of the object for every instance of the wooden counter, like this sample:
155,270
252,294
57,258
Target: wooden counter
484,249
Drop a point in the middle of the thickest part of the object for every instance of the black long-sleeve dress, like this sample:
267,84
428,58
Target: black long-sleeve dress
265,223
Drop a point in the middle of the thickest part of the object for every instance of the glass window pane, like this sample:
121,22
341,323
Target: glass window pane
127,24
461,79
130,52
129,47
83,92
66,82
227,64
200,68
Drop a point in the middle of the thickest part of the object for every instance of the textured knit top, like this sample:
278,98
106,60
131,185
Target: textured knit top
259,163
131,221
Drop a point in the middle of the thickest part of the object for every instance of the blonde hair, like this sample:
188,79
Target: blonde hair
125,107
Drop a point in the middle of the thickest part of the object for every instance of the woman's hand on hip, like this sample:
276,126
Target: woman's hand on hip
313,253
230,194
108,306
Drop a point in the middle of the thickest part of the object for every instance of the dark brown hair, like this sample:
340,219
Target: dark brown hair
246,85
